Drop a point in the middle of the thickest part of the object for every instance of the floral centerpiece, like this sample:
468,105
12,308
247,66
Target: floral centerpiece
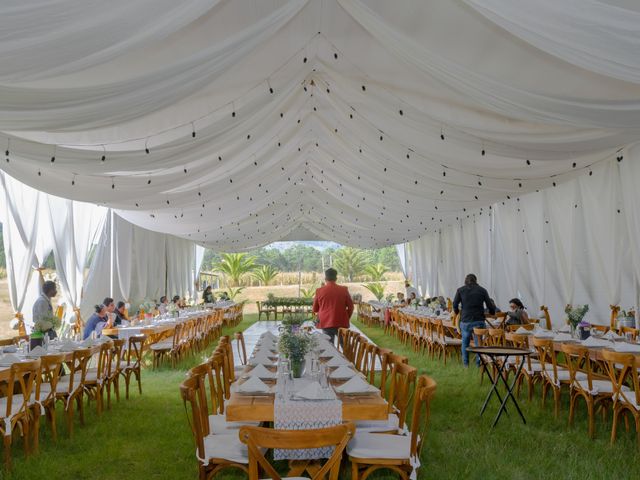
627,318
575,314
172,308
147,307
44,324
435,304
295,346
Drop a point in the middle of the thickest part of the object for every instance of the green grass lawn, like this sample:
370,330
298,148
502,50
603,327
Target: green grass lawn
148,436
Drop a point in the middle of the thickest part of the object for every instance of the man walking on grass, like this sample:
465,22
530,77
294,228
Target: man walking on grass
333,305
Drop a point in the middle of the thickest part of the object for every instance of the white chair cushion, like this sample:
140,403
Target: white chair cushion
599,386
451,341
564,375
225,447
535,368
162,346
630,400
373,426
380,445
16,403
218,425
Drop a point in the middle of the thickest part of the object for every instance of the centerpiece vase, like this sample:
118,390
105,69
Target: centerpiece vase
297,366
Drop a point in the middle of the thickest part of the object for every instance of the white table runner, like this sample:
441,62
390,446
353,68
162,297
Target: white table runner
305,415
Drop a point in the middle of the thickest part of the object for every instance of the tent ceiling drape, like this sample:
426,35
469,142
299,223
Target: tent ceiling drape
235,124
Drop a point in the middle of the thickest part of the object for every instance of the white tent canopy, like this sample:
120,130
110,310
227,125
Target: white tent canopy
235,124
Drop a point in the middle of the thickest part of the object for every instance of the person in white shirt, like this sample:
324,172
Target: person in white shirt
409,290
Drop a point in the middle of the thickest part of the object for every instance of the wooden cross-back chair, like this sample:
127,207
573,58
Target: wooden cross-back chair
403,378
595,389
114,370
241,348
624,372
531,370
444,345
360,347
258,438
369,452
15,407
214,452
133,364
71,387
96,378
547,318
46,386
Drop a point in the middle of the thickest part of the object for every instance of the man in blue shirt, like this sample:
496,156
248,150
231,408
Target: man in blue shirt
473,298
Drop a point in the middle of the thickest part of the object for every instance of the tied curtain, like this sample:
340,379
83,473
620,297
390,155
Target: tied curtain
573,243
36,224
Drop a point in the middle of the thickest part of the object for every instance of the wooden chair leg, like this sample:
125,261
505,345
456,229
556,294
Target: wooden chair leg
36,428
51,414
614,426
7,452
592,419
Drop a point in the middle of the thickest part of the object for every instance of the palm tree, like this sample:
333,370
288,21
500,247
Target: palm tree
350,262
376,272
376,288
265,274
235,265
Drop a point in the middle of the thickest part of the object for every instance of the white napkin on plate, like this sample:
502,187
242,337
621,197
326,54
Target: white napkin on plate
611,335
565,329
260,360
37,352
626,347
523,331
596,342
562,337
261,371
342,372
314,391
253,385
9,358
542,333
337,361
356,385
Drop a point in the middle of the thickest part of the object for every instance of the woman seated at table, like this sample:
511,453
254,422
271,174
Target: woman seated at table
120,313
207,296
400,299
96,322
164,303
518,314
176,300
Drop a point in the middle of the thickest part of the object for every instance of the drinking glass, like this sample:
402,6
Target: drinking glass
324,377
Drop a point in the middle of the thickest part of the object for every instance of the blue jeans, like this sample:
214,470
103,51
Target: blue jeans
467,331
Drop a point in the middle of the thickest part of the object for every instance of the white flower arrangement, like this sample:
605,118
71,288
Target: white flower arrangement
148,306
434,305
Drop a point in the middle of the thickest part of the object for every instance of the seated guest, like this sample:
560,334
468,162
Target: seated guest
518,314
412,298
207,296
224,296
176,300
400,299
443,302
182,303
96,321
120,314
164,302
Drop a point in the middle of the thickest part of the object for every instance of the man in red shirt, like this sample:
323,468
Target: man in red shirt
333,305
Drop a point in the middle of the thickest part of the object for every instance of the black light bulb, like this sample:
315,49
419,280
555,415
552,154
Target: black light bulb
146,149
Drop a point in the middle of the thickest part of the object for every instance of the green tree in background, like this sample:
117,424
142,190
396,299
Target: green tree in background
350,262
235,265
376,272
265,274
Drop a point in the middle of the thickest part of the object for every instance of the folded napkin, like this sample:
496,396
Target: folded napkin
10,349
37,352
260,360
314,391
87,343
337,361
565,329
562,337
541,333
523,331
253,385
356,385
9,358
611,335
322,335
261,371
342,372
626,347
596,342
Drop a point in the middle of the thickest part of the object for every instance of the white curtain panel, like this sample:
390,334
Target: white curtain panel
123,234
98,283
593,35
20,229
567,244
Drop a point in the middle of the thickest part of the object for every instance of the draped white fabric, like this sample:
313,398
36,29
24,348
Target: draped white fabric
347,120
73,227
568,244
145,265
566,29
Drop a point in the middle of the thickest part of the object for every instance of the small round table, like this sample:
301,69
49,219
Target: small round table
504,353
